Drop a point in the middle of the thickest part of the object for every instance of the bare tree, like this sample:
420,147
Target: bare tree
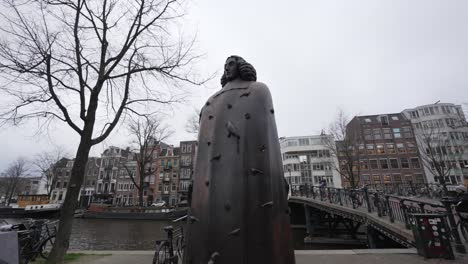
47,164
345,147
13,178
89,63
193,123
147,134
440,153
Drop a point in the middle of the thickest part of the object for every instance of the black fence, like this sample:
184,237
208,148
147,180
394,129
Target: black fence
390,202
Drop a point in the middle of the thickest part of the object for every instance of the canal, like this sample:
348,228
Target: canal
114,234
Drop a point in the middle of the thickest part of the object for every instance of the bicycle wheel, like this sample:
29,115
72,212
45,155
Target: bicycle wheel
162,254
46,246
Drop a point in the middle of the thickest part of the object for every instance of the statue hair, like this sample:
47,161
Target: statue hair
246,71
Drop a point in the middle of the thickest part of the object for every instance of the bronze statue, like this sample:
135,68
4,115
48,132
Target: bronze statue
239,211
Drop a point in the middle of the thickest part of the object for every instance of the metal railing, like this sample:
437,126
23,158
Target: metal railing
382,201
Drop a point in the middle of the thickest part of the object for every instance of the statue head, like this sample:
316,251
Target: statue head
236,67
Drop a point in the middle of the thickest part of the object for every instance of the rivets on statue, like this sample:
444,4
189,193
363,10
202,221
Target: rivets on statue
207,103
210,117
193,219
227,206
245,94
234,232
272,111
208,143
229,106
247,116
262,148
256,171
207,183
217,157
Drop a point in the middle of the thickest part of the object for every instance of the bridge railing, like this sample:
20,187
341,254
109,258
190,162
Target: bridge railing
382,201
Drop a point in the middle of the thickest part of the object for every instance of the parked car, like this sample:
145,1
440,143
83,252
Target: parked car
159,204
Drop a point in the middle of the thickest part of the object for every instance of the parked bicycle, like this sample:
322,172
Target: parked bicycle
171,249
35,238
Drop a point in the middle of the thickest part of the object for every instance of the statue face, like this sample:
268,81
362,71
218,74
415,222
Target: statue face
231,70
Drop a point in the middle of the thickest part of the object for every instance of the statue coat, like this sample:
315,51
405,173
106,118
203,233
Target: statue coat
239,211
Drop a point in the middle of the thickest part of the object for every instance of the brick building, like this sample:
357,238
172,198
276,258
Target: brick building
388,151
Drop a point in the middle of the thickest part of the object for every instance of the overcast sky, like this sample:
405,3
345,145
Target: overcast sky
367,57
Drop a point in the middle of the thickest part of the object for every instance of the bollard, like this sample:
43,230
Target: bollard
459,247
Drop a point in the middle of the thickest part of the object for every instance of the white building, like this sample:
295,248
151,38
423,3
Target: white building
306,160
447,122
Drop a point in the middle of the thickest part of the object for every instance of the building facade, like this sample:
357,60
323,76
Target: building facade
112,161
125,192
446,125
388,151
167,179
188,150
88,188
307,160
63,171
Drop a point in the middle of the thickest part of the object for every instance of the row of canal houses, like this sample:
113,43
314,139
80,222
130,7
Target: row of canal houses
113,178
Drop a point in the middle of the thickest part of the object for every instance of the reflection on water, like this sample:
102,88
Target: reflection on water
106,234
114,234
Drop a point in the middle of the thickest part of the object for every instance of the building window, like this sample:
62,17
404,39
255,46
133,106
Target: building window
365,179
396,133
407,132
401,148
380,149
174,188
376,179
384,164
303,141
415,163
414,114
419,178
374,164
377,133
367,134
394,164
397,178
391,148
60,196
183,148
370,149
160,188
364,165
387,179
362,150
387,132
408,178
404,163
411,147
189,148
384,120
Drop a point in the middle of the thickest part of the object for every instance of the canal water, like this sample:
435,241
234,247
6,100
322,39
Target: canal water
114,234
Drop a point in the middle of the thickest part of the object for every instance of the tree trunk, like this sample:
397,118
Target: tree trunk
71,200
140,197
